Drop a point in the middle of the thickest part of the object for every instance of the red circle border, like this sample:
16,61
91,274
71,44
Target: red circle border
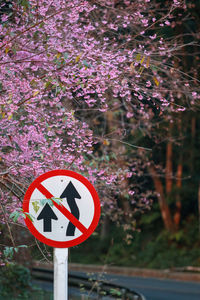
97,209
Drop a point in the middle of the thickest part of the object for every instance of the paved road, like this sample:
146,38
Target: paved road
151,288
157,289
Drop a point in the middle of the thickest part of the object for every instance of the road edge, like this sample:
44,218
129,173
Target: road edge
128,271
139,272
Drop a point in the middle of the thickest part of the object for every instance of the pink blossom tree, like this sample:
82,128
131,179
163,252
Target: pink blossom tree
73,75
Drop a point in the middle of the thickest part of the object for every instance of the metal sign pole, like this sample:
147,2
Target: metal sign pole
60,273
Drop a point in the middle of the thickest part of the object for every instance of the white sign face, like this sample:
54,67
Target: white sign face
71,212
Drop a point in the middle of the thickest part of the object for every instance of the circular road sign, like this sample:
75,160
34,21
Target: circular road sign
62,208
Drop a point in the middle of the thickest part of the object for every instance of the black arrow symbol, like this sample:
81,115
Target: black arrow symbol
47,214
71,193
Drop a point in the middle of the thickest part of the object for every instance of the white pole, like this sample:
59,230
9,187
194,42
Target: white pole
60,273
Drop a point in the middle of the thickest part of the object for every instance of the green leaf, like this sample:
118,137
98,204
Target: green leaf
36,206
156,80
24,3
142,60
29,216
65,55
47,84
41,25
22,246
154,68
17,147
115,292
15,215
46,201
8,252
103,293
138,57
43,201
86,64
57,200
50,202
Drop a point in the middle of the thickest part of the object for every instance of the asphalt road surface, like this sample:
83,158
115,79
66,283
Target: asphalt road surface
157,289
150,288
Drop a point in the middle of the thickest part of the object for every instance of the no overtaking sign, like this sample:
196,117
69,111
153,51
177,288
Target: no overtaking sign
70,216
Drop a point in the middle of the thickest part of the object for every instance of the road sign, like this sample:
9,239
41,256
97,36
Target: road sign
62,208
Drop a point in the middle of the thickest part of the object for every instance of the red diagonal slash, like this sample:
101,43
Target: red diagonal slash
62,209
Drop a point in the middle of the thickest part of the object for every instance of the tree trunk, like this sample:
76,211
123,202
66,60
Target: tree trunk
177,215
193,133
165,212
169,171
105,227
199,204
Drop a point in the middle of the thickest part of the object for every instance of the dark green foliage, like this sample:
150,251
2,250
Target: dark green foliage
15,282
148,249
